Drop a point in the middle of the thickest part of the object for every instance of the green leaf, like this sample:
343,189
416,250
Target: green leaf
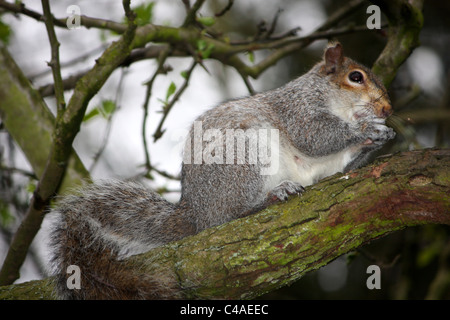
31,187
91,114
184,74
204,49
206,21
201,45
251,56
144,13
208,51
106,109
5,32
6,218
170,90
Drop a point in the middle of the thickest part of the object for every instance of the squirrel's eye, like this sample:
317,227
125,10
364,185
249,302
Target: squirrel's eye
356,76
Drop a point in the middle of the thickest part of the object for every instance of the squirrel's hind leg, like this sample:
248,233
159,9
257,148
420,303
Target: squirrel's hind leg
283,191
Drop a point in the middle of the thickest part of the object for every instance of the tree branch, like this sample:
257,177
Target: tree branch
226,9
248,257
54,62
221,51
405,20
148,92
85,21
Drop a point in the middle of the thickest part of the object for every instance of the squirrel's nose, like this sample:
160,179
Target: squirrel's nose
385,111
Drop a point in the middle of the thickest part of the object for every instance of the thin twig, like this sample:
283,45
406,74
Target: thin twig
85,21
274,23
248,84
71,62
109,124
162,59
54,62
165,174
26,173
286,47
341,14
159,132
68,83
226,9
192,13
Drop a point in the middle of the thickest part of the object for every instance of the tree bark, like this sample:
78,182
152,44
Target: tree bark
248,257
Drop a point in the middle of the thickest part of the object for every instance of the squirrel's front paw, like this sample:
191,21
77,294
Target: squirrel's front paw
378,134
284,190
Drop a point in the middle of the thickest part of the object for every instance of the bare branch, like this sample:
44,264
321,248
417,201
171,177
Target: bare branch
70,62
341,14
109,124
274,23
85,21
160,69
54,63
159,132
226,9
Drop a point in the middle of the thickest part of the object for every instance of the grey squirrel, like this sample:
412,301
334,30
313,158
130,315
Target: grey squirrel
326,121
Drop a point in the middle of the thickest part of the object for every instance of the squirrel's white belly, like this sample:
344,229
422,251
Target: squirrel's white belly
297,167
310,170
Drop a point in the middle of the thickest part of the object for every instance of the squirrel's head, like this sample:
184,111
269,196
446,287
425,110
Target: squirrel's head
359,87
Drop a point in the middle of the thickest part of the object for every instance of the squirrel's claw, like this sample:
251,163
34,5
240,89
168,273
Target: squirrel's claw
284,190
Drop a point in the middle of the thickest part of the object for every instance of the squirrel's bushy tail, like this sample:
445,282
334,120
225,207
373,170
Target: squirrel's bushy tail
99,227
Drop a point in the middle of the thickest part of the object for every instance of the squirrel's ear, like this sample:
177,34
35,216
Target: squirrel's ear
334,56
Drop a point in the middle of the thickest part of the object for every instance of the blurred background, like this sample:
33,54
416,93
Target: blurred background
414,263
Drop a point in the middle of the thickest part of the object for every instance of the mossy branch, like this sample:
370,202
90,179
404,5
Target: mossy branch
248,257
